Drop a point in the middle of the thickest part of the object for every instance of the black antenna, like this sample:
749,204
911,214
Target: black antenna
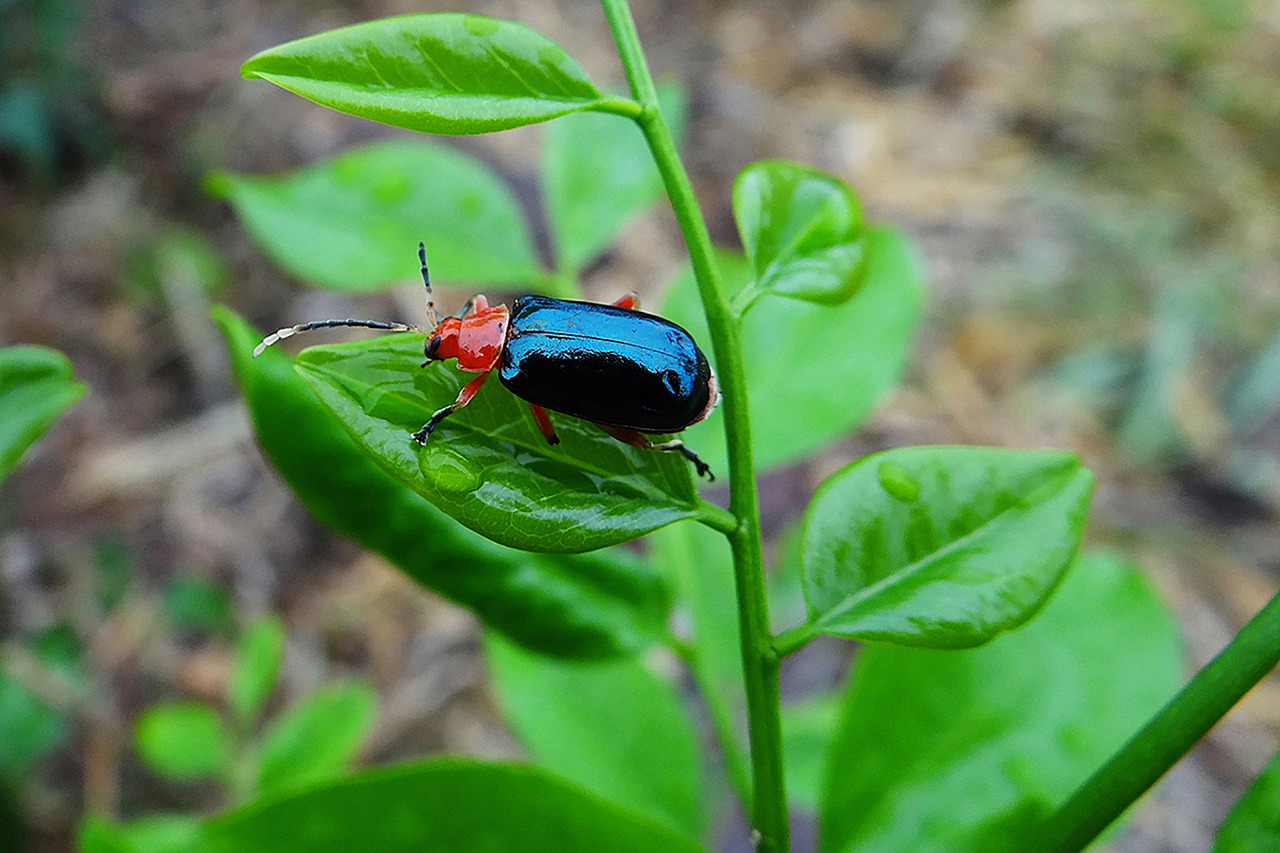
432,315
289,332
281,334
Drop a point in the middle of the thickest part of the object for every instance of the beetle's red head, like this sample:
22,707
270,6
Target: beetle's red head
442,342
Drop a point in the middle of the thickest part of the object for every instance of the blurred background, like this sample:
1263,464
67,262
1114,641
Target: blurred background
1095,188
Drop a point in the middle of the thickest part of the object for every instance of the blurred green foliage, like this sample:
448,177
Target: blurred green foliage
49,122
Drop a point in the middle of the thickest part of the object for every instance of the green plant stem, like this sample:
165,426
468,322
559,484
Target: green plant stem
1169,735
768,807
793,639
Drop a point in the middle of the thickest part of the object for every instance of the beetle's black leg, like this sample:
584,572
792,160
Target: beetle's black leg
464,396
678,446
675,445
544,424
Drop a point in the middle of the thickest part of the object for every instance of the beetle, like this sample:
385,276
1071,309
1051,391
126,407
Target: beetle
630,373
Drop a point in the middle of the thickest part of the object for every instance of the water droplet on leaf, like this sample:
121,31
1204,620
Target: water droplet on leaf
479,25
447,470
900,483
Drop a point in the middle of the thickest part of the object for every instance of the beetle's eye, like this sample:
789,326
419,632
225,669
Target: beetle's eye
432,346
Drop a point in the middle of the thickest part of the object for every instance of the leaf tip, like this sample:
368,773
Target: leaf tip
250,69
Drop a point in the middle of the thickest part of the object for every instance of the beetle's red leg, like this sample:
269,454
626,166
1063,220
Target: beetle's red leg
630,301
544,424
675,445
471,306
464,396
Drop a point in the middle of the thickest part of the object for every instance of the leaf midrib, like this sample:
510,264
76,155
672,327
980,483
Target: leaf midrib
419,93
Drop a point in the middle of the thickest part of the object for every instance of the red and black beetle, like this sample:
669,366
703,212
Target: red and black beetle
631,374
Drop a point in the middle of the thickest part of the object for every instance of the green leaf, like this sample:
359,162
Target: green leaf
592,605
488,466
258,656
807,729
182,741
941,546
197,604
354,222
956,751
176,833
317,738
598,175
611,726
458,806
814,373
32,730
1254,823
445,73
699,563
784,582
36,386
802,232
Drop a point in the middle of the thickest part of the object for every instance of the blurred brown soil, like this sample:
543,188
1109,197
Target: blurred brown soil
1061,166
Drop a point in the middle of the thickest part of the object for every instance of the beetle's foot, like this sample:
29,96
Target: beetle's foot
676,445
429,427
703,469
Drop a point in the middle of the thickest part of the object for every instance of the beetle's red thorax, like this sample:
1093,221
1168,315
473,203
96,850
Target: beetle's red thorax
480,339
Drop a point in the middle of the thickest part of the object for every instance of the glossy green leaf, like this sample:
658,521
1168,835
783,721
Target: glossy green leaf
443,73
802,232
36,386
175,833
598,175
183,740
258,656
586,606
1254,823
814,372
316,738
458,806
354,222
959,751
488,466
612,726
807,729
941,546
